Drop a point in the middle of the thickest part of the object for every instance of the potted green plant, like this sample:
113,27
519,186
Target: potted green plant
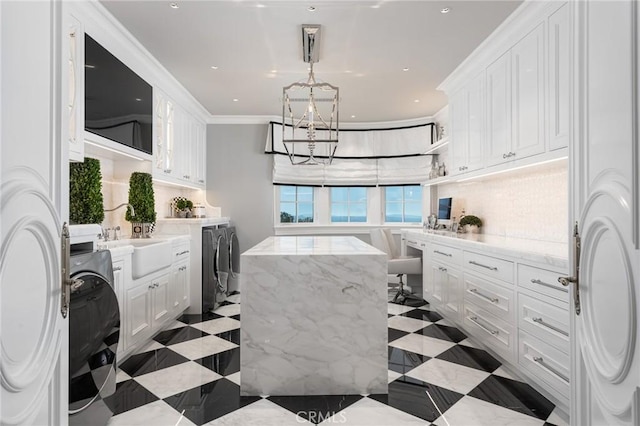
142,199
471,223
86,203
183,207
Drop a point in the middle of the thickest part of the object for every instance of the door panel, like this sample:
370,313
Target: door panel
605,194
34,334
498,111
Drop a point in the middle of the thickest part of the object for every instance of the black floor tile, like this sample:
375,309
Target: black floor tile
402,361
235,317
82,389
410,395
197,318
151,361
129,395
179,335
421,314
443,332
395,334
470,357
223,363
315,408
231,335
226,302
390,315
205,403
513,394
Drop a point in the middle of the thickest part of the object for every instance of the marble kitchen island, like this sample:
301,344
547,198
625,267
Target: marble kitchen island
314,317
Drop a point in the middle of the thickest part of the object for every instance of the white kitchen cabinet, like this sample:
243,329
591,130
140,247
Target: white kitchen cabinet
498,136
200,160
138,314
163,117
558,65
161,301
467,123
73,86
180,287
527,96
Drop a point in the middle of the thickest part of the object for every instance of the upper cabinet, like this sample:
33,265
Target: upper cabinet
73,86
510,101
179,152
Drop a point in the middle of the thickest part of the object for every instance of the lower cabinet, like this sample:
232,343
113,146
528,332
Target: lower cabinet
180,287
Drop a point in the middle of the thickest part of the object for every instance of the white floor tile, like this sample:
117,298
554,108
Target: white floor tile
260,413
176,379
422,344
394,309
235,378
407,324
218,325
393,375
204,346
151,346
228,310
503,372
368,412
470,411
558,418
235,298
446,322
121,376
157,413
449,375
174,324
470,343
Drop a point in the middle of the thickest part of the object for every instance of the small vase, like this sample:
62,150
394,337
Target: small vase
471,229
182,214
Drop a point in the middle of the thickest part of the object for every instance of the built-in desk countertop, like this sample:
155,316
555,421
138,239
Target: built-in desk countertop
314,317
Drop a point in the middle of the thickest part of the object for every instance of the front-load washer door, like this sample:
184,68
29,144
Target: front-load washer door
94,330
234,255
222,263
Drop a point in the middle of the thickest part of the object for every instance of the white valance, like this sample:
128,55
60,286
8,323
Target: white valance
362,158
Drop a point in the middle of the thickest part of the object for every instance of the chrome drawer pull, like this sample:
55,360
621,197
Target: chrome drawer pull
444,254
484,296
412,242
546,366
475,321
182,252
473,262
117,268
537,281
442,269
540,321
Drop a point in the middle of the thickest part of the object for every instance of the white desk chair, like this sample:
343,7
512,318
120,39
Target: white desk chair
382,239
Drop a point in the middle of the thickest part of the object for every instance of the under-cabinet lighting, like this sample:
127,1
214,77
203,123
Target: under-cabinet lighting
511,169
106,148
181,185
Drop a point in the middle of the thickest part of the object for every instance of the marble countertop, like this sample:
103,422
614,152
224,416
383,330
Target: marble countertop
204,221
552,253
312,245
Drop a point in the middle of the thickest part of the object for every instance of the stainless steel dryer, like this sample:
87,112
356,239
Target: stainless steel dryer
234,260
215,267
94,330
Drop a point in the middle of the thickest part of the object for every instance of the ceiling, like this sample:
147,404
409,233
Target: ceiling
364,47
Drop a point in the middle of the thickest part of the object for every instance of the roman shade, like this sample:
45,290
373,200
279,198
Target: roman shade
369,157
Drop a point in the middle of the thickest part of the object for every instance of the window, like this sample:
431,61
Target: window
403,204
296,204
348,204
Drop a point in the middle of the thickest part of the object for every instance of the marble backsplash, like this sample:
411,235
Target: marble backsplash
530,203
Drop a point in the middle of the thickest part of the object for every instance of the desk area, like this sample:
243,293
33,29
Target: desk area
314,317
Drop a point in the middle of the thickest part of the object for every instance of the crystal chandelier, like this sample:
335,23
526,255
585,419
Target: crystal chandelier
310,111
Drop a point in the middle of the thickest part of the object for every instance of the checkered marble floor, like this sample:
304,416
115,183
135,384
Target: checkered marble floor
190,375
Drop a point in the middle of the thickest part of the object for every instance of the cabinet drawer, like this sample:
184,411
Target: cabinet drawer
542,281
545,362
545,321
496,299
490,266
181,251
490,330
415,243
445,254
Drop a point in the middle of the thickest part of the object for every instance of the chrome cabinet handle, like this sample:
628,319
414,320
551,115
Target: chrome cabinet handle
504,156
537,281
473,262
442,253
422,245
484,296
117,268
539,320
442,269
182,252
546,366
151,287
200,180
475,321
412,242
167,170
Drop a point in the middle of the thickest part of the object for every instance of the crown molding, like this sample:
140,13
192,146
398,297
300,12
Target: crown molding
265,119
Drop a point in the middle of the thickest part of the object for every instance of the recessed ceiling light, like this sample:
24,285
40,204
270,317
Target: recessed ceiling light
213,67
260,5
274,71
445,10
311,9
353,116
235,100
174,5
375,6
416,100
348,71
405,69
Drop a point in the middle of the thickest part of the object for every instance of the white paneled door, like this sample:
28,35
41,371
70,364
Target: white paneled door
605,172
33,198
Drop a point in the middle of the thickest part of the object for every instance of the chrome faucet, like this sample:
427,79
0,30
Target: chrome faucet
133,212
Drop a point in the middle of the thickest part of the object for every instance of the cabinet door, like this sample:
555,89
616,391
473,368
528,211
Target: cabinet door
558,84
179,287
454,293
438,282
459,112
161,301
498,133
476,109
201,154
138,314
527,95
73,87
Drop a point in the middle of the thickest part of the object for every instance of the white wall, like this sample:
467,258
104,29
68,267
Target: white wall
239,176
